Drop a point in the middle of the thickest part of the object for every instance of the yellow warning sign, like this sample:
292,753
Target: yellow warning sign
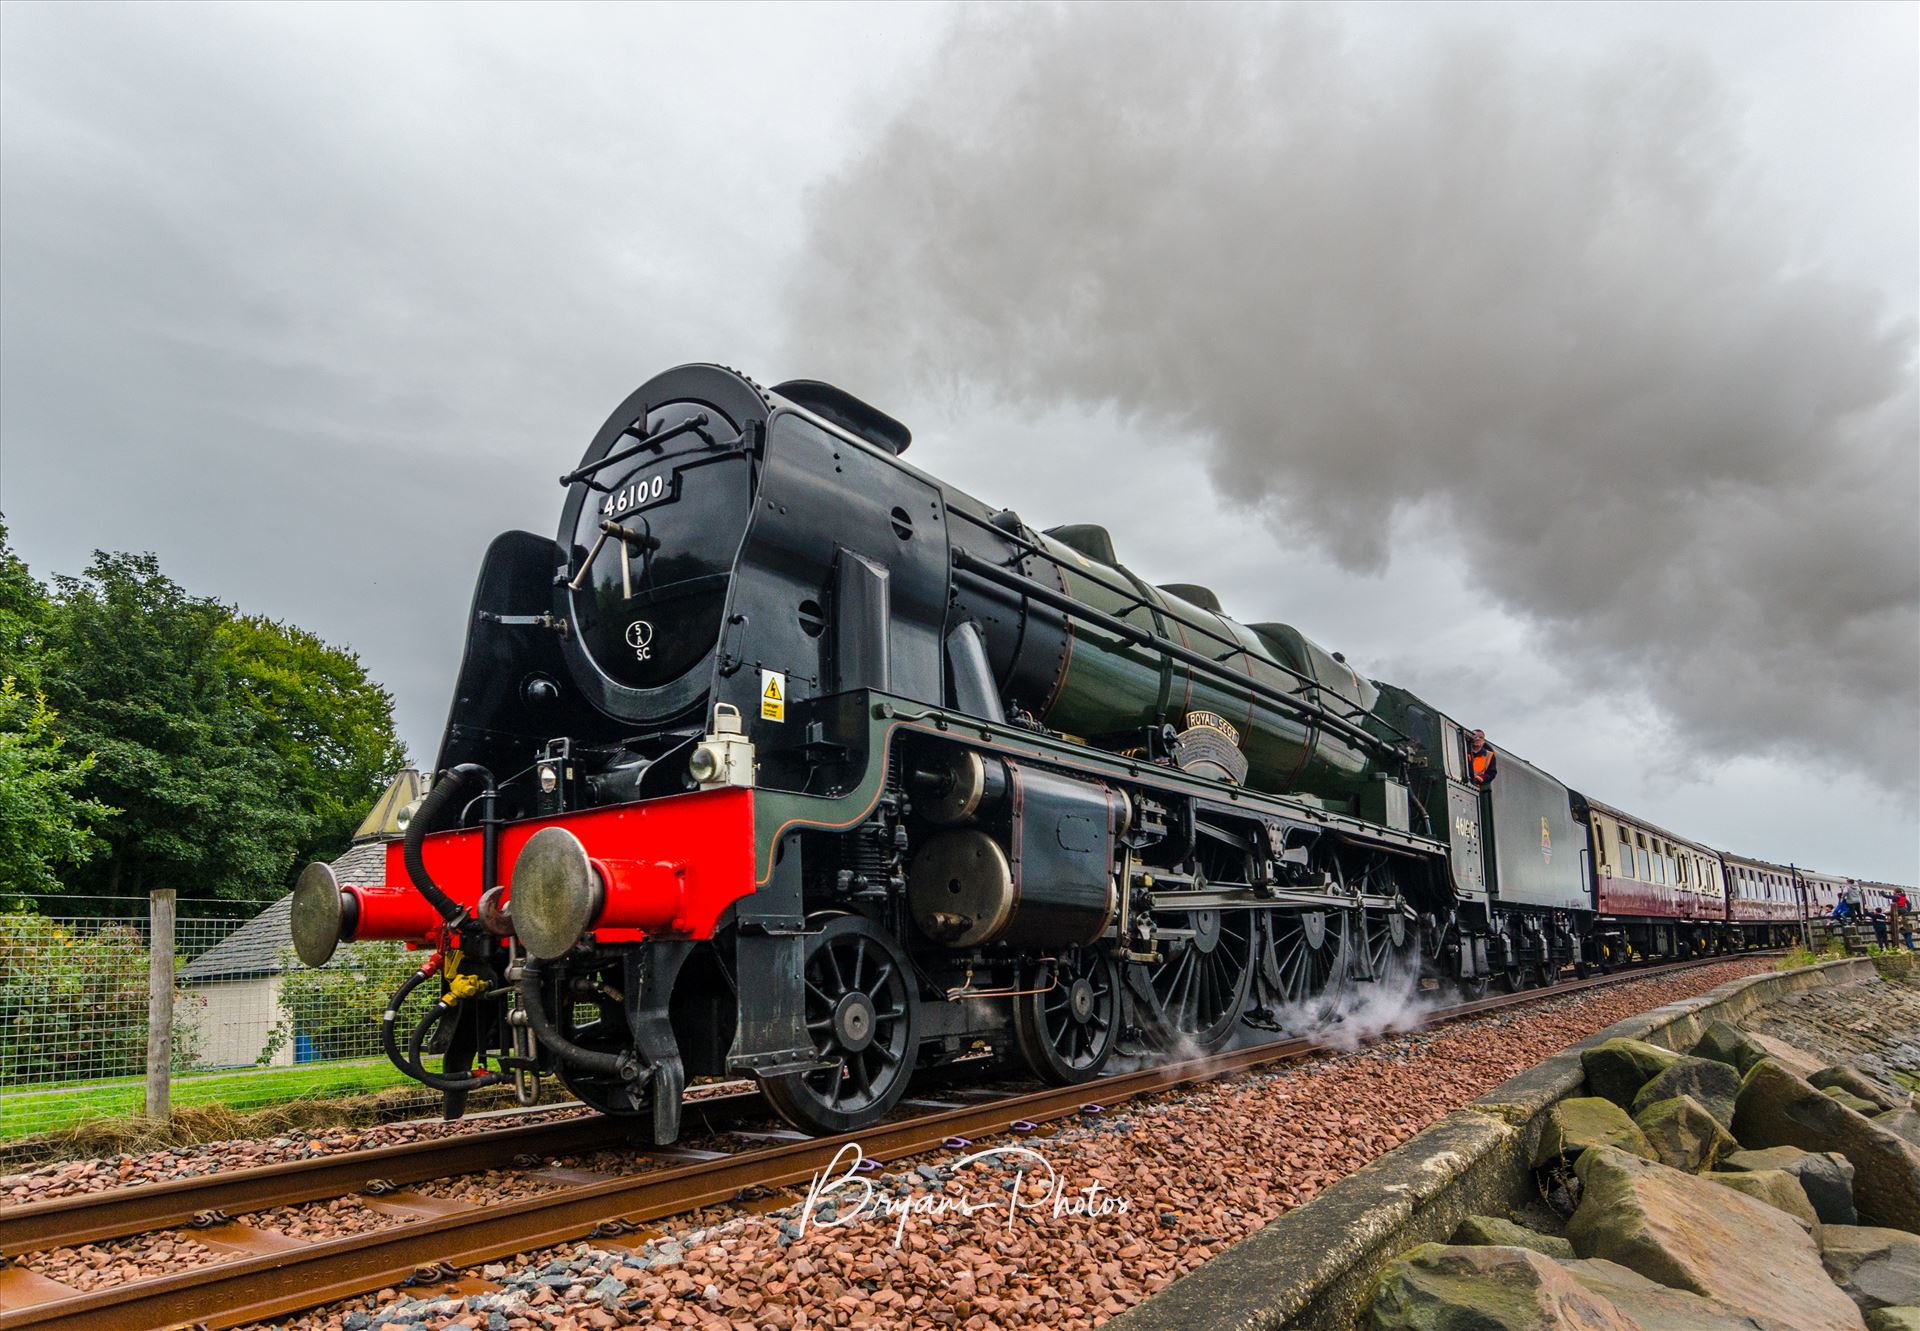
773,696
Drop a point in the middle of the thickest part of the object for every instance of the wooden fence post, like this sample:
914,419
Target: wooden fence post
160,1005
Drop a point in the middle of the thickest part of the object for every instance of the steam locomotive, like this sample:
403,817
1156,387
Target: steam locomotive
786,759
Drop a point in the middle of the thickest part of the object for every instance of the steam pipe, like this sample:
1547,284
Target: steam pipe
446,793
533,1003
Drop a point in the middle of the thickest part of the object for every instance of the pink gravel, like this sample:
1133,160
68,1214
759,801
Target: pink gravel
99,1265
1196,1171
320,1221
491,1188
67,1178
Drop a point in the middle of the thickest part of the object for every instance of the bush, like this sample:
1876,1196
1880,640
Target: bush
73,1002
338,1007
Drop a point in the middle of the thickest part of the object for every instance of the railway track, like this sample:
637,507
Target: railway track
431,1239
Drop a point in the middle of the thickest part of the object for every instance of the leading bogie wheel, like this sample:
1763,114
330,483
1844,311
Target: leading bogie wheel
1068,1028
862,1015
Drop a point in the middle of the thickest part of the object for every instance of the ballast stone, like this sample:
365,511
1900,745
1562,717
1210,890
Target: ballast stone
1826,1177
1693,1234
1684,1135
1878,1268
1776,1108
1713,1085
1572,1126
1894,1319
1438,1288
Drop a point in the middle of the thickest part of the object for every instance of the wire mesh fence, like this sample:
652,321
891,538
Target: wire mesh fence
251,1026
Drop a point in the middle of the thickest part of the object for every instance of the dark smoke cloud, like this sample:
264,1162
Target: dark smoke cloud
1543,296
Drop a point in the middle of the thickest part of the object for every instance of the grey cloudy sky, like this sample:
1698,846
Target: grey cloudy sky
1556,362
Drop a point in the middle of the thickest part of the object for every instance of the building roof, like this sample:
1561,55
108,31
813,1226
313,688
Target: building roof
258,947
383,819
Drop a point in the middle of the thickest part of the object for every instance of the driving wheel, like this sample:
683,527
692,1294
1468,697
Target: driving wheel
1200,983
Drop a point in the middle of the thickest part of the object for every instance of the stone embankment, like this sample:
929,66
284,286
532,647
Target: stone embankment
1744,1185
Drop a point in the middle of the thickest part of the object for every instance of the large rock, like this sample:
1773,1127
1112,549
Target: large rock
1573,1126
1902,1123
1857,1083
1437,1288
1857,1104
1617,1069
1777,1188
1826,1177
1776,1108
1490,1231
1726,1043
1894,1319
1714,1085
1683,1134
1693,1234
1789,1056
1878,1268
1652,1306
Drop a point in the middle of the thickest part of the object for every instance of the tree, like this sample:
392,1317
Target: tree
135,666
329,725
23,612
228,748
45,824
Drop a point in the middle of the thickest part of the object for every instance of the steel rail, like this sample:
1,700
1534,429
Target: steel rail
119,1212
274,1284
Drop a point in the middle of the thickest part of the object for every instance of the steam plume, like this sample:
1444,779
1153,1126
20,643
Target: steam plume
1541,296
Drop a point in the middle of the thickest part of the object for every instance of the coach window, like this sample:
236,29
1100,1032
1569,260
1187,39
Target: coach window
1659,864
1626,853
1600,843
1640,858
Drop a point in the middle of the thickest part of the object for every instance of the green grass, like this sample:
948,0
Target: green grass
25,1111
1799,956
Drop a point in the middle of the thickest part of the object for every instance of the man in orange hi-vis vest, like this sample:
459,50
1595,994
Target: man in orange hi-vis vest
1482,767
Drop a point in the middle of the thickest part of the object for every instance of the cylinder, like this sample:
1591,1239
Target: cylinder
1032,866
